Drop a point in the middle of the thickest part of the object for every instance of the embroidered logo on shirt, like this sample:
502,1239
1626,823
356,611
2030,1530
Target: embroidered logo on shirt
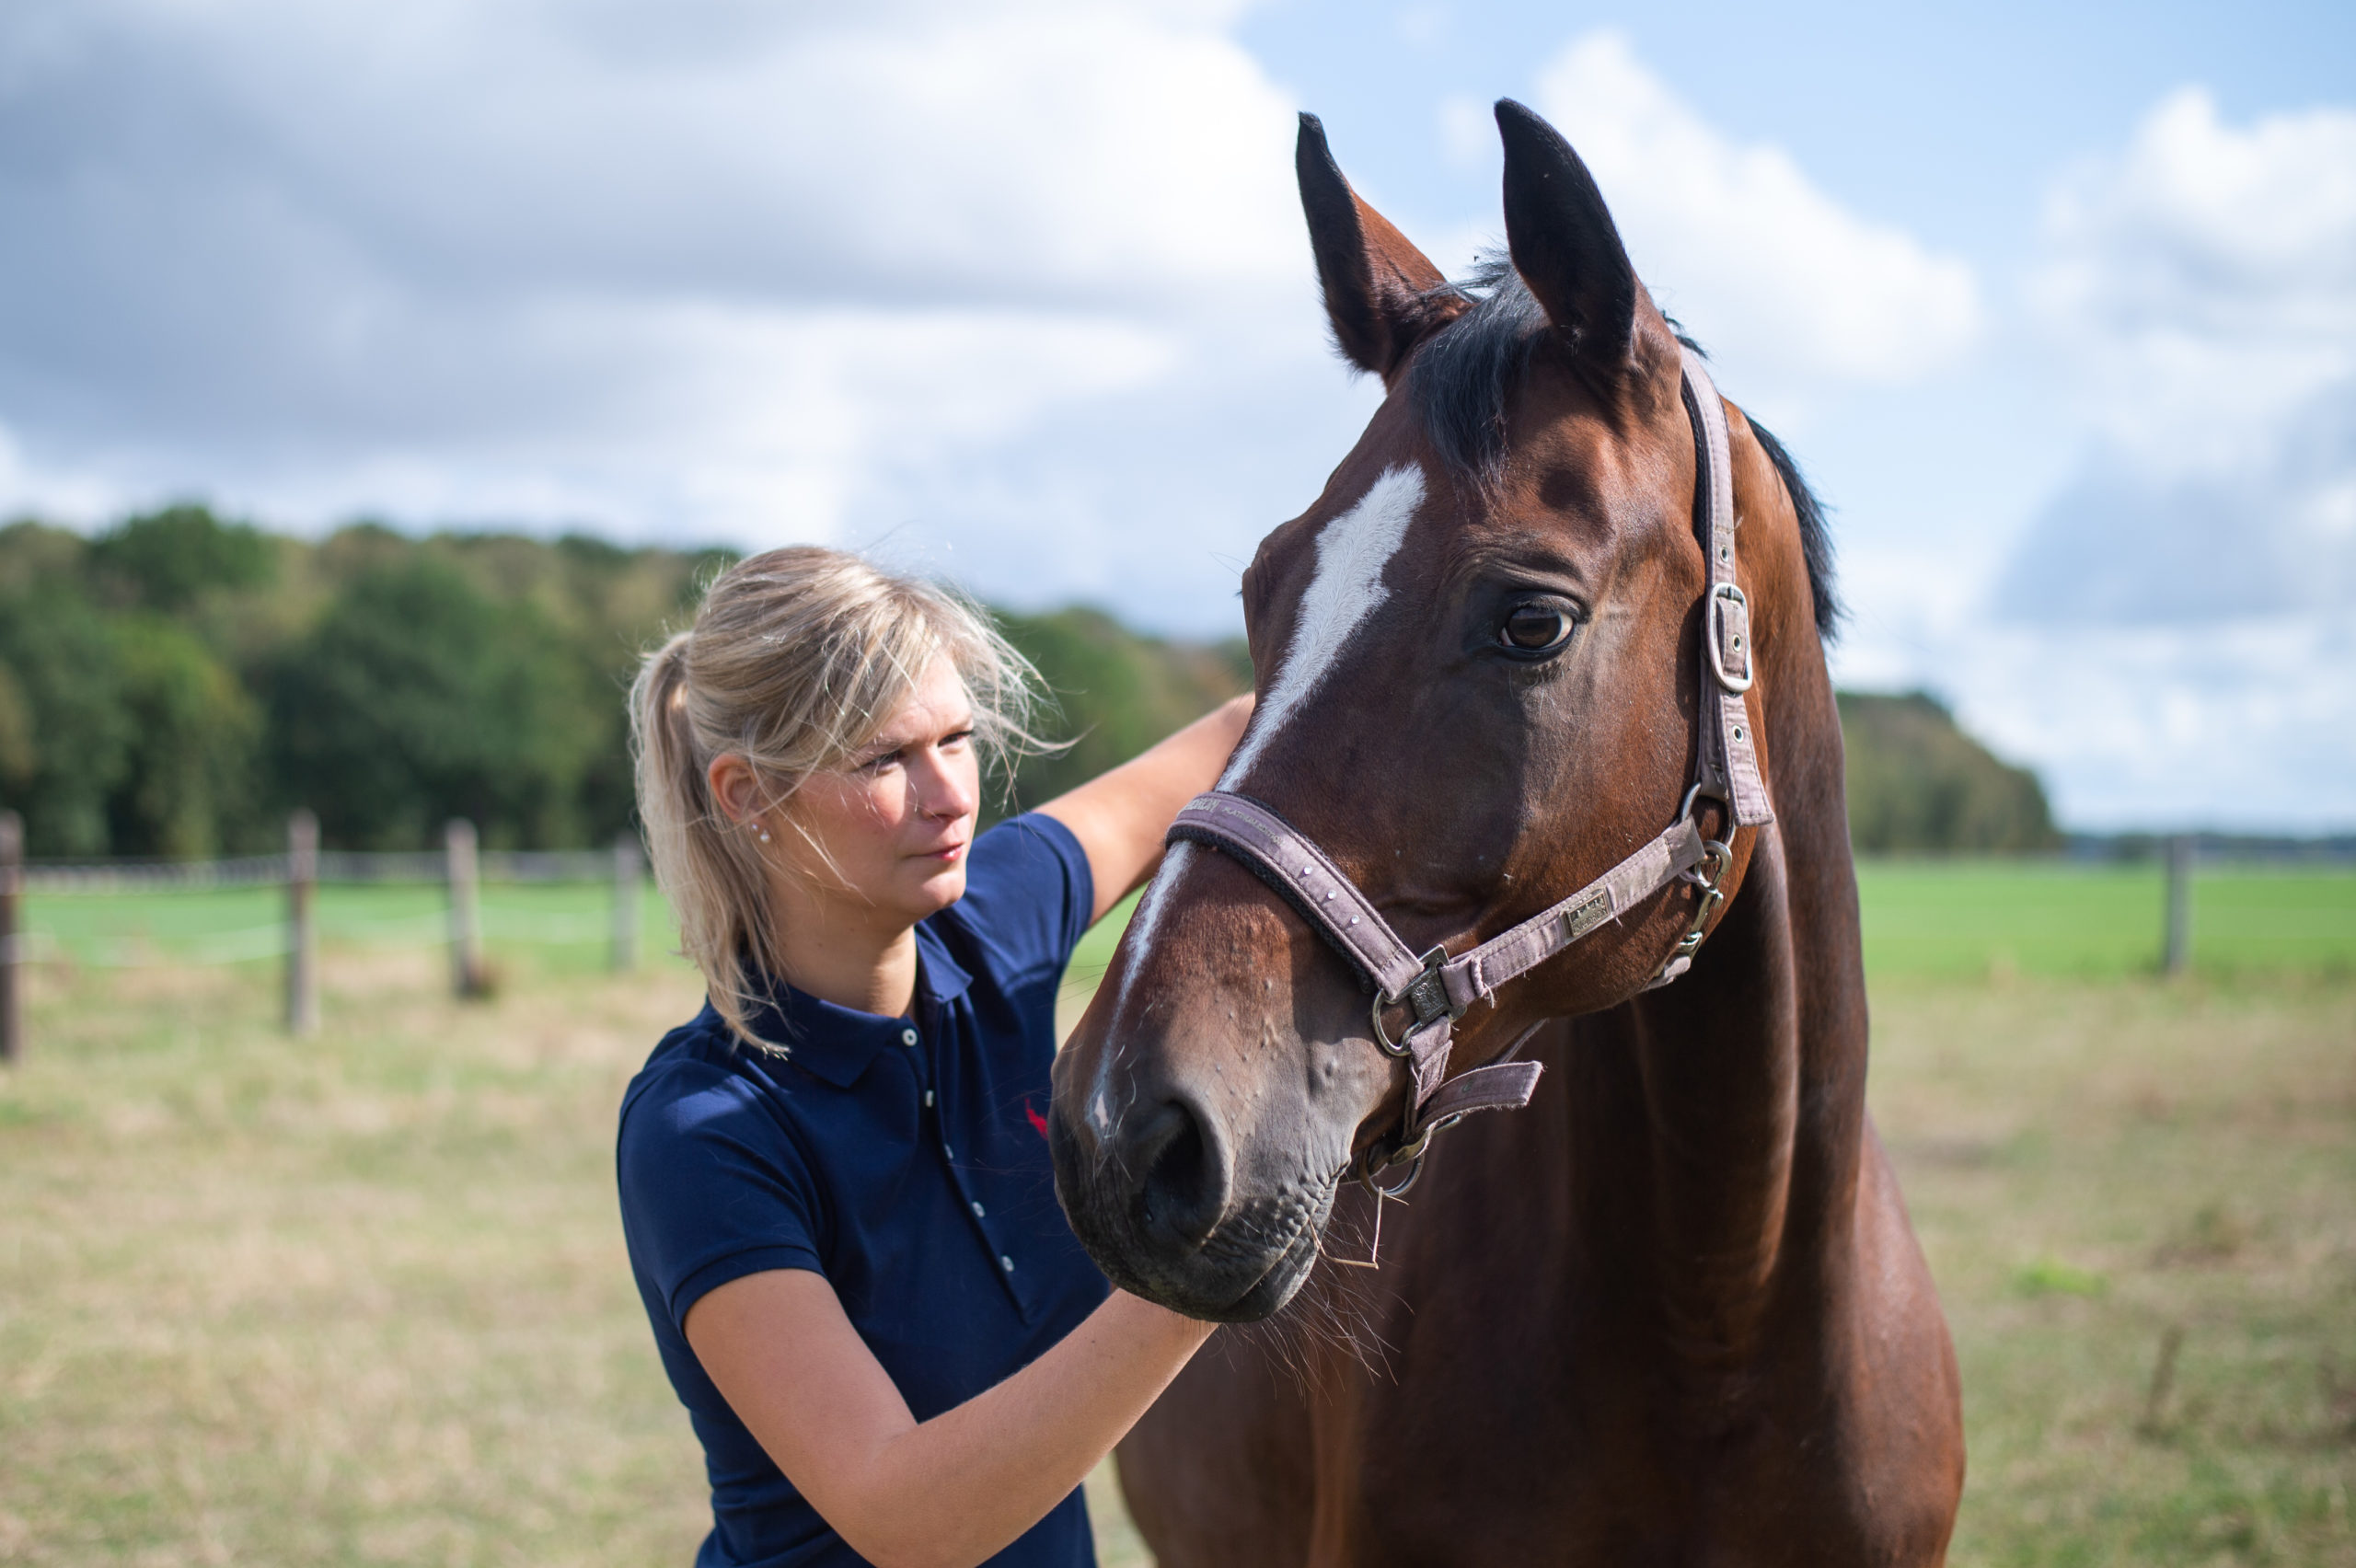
1038,1123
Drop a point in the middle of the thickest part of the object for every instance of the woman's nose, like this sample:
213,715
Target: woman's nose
945,789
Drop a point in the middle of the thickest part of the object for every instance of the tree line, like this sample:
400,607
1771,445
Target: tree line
174,684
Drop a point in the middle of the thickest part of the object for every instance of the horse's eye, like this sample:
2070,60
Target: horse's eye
1535,629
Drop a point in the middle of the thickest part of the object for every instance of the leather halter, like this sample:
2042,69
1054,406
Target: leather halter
1438,989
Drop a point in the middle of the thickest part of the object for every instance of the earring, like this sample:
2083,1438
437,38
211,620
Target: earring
765,836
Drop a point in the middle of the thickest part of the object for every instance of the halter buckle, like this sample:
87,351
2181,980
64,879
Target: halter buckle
1714,639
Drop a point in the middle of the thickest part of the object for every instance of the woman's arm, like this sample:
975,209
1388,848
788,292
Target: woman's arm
1119,818
947,1491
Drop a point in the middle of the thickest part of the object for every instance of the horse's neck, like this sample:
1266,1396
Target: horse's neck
1750,1068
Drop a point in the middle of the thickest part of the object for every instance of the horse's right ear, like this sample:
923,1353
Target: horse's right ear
1565,243
1381,294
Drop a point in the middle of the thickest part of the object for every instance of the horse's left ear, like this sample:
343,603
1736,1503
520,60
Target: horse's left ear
1382,294
1565,243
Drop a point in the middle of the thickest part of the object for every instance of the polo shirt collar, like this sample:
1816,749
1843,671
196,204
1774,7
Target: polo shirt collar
939,979
836,1043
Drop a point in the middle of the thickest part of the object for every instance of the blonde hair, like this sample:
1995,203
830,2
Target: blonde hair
795,659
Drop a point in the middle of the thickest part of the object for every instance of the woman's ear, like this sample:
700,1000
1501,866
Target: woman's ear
735,788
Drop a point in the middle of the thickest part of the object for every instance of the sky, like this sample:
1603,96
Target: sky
2055,304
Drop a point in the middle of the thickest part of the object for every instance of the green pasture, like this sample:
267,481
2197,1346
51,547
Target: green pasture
1979,917
1952,918
565,926
1974,918
361,1299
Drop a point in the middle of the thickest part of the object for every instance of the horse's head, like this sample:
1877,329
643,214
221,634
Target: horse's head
1477,657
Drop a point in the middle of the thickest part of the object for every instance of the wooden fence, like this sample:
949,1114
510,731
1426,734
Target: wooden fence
460,867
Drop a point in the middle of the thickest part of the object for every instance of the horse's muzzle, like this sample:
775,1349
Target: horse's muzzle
1155,1198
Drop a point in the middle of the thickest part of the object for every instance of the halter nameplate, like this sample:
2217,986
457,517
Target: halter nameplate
1437,988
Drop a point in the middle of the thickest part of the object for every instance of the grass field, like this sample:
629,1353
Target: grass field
361,1301
1958,919
1974,918
564,926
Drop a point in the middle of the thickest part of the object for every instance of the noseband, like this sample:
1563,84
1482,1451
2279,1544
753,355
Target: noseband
1436,988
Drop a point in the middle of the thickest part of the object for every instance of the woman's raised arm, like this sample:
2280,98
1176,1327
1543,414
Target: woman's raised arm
946,1493
1120,817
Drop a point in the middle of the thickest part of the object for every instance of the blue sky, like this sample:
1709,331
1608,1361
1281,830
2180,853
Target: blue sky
2056,305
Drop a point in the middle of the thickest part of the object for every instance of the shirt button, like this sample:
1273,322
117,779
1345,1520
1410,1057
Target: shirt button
928,1097
907,1037
1006,1263
977,1211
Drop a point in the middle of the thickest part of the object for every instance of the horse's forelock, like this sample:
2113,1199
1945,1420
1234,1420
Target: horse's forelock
1462,383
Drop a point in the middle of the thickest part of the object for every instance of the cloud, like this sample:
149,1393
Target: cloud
2271,535
1782,281
2199,291
2201,288
2240,726
713,268
2171,635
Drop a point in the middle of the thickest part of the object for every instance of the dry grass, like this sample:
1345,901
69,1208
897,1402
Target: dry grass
2099,1171
362,1300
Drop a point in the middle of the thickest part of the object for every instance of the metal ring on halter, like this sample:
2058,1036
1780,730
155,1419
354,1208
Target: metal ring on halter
1717,858
1433,962
1414,1175
1411,1155
1720,594
1715,791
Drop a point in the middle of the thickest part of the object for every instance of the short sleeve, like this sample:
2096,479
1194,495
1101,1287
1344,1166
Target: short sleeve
1028,895
713,1187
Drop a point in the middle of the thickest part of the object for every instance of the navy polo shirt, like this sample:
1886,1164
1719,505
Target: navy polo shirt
903,1159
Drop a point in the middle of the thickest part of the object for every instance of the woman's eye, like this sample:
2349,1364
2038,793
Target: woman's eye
1535,629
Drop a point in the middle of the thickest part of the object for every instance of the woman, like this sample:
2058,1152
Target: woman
835,1181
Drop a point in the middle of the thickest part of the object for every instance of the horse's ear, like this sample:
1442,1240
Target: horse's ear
1565,243
1382,294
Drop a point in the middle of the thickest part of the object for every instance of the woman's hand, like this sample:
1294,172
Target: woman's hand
1119,818
945,1493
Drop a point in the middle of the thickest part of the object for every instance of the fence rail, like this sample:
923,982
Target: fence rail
463,924
340,866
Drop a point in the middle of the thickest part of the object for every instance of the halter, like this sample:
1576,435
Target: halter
1438,989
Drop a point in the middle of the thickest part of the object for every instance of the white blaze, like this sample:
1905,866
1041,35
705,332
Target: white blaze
1352,550
1102,1112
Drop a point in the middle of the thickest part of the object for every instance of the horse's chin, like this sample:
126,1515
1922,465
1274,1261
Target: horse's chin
1226,1285
1263,1297
1273,1289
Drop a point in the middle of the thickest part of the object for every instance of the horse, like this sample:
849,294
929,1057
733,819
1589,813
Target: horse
1672,1308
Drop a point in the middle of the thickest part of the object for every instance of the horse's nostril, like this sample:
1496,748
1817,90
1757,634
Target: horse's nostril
1185,1190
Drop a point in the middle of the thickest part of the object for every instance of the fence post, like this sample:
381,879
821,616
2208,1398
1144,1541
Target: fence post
12,941
468,977
627,877
302,924
2178,956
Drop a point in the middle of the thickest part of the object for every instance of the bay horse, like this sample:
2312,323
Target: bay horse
1673,1310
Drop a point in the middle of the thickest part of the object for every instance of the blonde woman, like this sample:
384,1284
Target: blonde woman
835,1181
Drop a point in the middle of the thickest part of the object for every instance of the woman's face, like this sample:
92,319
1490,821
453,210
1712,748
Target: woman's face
897,819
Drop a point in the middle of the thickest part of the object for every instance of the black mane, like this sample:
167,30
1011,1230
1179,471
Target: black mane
1462,381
